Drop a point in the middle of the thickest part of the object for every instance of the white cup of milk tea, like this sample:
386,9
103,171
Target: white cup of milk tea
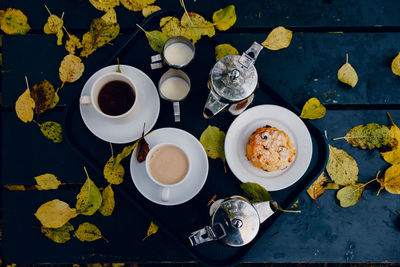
177,52
167,165
174,85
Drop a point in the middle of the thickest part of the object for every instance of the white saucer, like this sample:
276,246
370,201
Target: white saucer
281,118
196,177
128,129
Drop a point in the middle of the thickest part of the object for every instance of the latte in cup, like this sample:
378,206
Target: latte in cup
168,164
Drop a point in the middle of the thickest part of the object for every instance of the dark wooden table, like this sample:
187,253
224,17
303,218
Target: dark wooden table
324,31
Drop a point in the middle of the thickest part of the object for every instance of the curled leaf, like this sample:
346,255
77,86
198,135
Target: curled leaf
213,140
88,232
350,195
143,148
58,235
89,199
224,18
54,25
317,188
148,10
391,180
104,5
43,94
14,187
52,130
24,106
72,44
341,167
393,156
255,192
13,21
71,69
223,50
55,213
108,203
136,5
153,229
100,33
370,136
278,38
313,109
110,16
47,181
347,74
55,101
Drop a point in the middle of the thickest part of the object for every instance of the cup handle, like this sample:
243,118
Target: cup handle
165,194
85,100
177,112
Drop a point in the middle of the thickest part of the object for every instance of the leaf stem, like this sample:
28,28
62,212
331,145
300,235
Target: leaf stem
112,150
347,58
186,12
119,67
390,117
65,29
350,137
140,27
87,175
48,10
27,83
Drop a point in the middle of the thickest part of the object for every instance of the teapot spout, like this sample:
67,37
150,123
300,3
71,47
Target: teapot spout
213,106
265,209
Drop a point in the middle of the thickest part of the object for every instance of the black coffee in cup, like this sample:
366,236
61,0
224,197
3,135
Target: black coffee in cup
116,98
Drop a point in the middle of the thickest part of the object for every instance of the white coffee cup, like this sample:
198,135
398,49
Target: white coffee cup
92,99
165,192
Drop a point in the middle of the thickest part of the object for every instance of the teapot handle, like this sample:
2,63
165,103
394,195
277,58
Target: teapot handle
207,234
250,55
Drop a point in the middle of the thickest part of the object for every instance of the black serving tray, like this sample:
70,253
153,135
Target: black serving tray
179,221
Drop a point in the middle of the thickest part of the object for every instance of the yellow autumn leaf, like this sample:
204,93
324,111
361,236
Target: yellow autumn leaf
317,188
196,26
148,10
72,44
349,195
14,21
55,101
113,173
278,38
52,130
153,229
55,213
110,16
136,5
25,106
43,94
341,167
213,140
347,74
396,65
104,5
88,232
224,18
47,181
59,235
391,180
108,204
223,50
71,68
89,199
54,25
313,109
171,26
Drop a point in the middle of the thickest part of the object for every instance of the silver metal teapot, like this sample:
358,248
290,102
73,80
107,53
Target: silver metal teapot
232,83
234,221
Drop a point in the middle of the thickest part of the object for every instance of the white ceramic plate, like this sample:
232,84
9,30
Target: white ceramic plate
128,129
281,118
196,177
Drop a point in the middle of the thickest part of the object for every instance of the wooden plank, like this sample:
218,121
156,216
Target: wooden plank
23,242
307,68
258,13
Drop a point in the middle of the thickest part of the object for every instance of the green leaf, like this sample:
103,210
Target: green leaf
156,40
108,203
89,198
350,195
341,167
256,192
47,181
213,140
88,232
224,18
368,136
52,130
58,235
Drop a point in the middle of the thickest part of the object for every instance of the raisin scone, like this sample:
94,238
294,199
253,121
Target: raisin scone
270,149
